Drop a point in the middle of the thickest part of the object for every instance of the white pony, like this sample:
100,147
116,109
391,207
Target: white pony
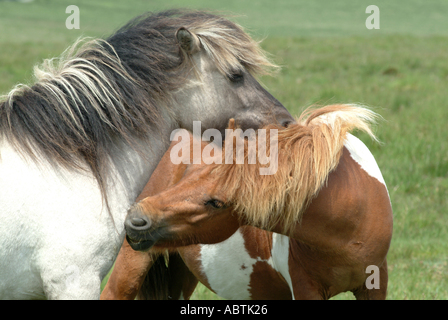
78,146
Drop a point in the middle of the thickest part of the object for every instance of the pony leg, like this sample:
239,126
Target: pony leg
128,274
363,293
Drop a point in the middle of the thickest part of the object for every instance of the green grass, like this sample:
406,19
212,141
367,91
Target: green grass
328,56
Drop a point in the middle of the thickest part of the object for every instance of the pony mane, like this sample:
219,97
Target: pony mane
103,91
307,152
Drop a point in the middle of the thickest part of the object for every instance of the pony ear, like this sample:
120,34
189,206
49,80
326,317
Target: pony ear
188,41
231,124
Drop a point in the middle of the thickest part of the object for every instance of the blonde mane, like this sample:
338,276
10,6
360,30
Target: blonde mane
307,153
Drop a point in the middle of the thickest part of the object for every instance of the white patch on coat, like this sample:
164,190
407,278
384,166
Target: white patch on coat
362,155
228,266
280,257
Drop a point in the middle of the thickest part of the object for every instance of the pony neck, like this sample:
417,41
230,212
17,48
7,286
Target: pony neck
131,169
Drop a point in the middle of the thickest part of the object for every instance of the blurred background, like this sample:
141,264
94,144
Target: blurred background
327,56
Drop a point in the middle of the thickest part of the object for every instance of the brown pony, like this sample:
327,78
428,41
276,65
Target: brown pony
327,196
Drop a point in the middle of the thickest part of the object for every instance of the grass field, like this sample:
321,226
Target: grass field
328,56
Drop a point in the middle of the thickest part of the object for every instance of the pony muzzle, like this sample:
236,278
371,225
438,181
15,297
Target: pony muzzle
138,229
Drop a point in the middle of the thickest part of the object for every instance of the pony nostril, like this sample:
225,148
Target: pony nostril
138,222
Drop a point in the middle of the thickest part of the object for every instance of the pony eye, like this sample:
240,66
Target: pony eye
217,204
236,77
